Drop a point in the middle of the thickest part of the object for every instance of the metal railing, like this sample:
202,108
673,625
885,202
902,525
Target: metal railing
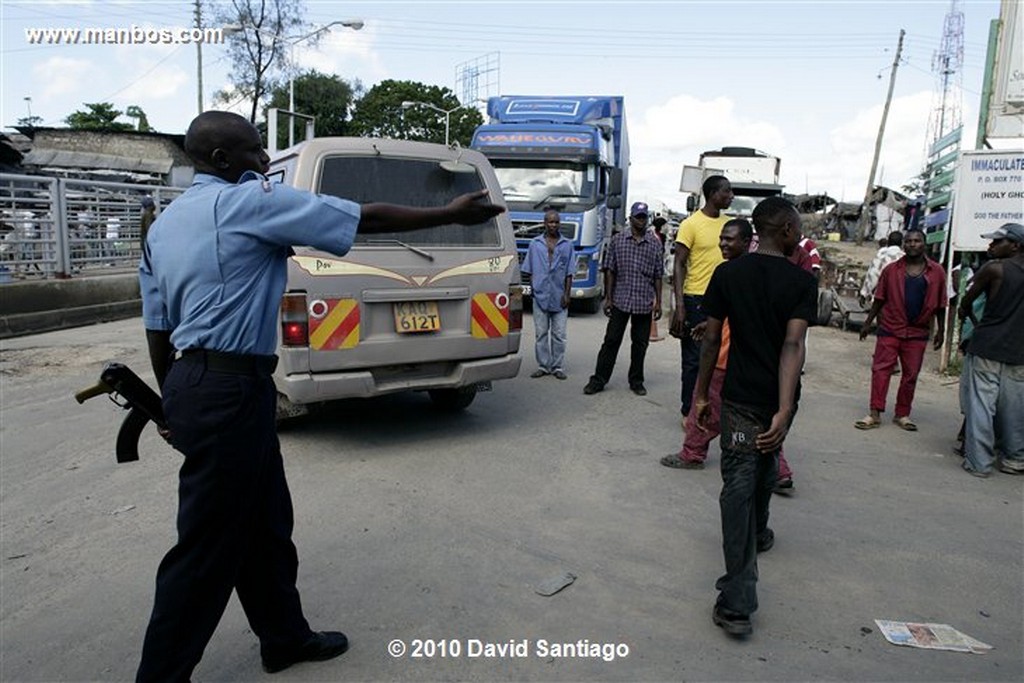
62,227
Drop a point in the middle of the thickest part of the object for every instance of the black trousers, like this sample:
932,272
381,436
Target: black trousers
689,350
234,521
639,334
748,477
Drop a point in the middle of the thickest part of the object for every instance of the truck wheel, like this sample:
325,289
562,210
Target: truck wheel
826,302
592,305
452,400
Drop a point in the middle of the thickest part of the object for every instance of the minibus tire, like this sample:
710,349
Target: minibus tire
452,400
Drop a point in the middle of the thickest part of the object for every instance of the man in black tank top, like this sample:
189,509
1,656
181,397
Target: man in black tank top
992,380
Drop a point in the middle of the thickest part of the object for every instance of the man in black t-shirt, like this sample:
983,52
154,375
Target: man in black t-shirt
769,303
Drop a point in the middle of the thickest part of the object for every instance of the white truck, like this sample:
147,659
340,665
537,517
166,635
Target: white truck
753,174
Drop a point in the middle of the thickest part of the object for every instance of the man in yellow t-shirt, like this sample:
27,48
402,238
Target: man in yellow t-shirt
697,256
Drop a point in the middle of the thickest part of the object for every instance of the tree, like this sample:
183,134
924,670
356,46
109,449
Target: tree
327,97
135,112
380,114
100,116
260,47
29,121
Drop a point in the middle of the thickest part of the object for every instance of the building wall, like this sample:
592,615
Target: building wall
104,142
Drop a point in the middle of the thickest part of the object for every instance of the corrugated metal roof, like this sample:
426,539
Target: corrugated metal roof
66,159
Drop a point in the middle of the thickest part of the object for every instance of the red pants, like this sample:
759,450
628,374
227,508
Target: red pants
910,353
696,440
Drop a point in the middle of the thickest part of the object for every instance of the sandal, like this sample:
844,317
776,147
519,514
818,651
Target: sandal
867,423
905,423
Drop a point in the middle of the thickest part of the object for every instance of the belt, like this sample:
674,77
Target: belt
231,363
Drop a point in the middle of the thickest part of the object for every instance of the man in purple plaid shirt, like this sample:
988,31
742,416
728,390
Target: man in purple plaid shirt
633,270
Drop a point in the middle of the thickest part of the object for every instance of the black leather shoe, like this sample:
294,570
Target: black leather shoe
639,389
733,624
319,647
592,388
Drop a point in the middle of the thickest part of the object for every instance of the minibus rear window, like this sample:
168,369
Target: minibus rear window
412,182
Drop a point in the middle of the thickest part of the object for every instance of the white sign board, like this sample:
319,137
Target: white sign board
989,191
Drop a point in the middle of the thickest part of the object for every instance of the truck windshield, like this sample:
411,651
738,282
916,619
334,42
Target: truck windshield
556,182
743,207
411,182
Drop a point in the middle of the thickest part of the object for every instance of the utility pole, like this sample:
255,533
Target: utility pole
199,54
865,217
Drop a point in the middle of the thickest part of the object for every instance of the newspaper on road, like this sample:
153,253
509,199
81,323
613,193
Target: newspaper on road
930,636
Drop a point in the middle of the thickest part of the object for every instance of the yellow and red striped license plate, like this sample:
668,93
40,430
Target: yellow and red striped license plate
417,316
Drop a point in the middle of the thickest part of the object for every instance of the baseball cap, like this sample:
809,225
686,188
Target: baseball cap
1011,231
148,202
638,209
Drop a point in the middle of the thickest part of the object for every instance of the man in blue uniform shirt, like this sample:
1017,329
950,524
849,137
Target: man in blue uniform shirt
212,275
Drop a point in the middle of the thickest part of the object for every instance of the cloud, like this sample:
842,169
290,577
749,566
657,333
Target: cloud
150,81
816,157
61,76
344,52
667,136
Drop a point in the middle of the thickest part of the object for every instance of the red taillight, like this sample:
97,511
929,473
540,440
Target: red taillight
515,308
294,325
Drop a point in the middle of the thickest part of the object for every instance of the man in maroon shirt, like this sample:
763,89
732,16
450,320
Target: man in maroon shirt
911,292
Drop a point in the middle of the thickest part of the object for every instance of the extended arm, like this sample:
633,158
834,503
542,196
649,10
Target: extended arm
467,209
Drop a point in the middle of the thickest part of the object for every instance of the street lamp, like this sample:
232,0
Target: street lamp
354,24
447,114
290,42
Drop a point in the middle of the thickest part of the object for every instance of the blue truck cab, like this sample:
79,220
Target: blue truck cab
570,153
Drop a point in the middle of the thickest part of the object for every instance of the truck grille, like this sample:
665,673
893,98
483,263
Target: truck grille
528,229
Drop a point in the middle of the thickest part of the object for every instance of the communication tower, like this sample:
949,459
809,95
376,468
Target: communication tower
945,126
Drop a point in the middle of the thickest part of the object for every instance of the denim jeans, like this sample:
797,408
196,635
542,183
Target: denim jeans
550,347
993,403
640,336
748,477
689,350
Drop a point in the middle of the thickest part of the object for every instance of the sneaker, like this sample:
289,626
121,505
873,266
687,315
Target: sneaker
733,624
765,541
1011,467
560,375
673,460
593,387
539,372
638,389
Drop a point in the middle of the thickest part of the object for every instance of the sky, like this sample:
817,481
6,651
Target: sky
804,81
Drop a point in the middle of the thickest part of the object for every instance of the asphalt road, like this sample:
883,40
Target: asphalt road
417,526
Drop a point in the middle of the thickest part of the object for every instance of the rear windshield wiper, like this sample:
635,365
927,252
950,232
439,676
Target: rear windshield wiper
416,250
